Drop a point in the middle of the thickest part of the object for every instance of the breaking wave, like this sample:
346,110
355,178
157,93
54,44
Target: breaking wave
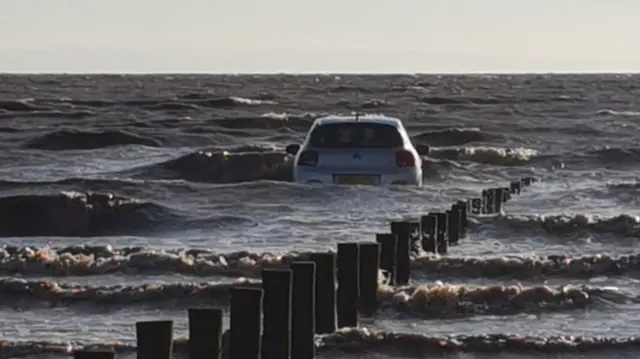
486,155
608,112
624,186
252,163
622,225
396,344
454,136
236,166
267,121
222,167
353,340
78,214
434,301
102,260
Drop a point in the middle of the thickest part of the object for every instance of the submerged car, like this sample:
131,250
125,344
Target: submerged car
357,150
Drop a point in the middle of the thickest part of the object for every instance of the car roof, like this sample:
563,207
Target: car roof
365,118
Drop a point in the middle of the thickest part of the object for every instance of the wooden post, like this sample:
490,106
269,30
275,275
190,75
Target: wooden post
369,266
403,251
348,284
325,292
464,213
226,344
245,322
303,309
429,227
276,311
453,228
388,245
154,339
506,194
477,205
515,187
205,333
488,196
498,200
408,229
442,234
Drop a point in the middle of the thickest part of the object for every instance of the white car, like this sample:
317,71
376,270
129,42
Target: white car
357,150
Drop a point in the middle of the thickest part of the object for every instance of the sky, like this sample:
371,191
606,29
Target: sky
313,36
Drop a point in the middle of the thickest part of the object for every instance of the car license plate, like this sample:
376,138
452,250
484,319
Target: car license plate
356,179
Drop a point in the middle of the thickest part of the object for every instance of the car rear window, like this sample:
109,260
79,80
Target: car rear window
355,135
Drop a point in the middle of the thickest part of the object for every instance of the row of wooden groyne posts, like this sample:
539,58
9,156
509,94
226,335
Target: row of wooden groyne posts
327,292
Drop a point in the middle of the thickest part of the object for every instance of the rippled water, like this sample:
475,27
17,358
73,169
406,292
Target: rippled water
157,142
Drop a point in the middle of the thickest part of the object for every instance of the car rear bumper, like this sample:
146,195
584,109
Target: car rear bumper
411,177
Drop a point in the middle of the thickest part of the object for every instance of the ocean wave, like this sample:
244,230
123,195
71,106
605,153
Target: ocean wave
624,186
266,122
602,157
244,163
252,162
457,99
20,105
376,103
48,114
235,166
442,300
425,301
454,136
528,267
596,156
609,112
222,167
95,184
609,156
207,101
571,129
75,108
78,214
486,155
622,225
83,140
96,260
361,341
169,103
616,153
103,260
349,88
285,116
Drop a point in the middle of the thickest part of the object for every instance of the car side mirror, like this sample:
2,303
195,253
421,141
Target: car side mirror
292,149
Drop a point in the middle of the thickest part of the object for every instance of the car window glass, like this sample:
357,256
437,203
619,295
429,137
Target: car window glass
356,135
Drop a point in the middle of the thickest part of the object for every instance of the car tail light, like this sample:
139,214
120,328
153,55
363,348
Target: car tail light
405,158
308,158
